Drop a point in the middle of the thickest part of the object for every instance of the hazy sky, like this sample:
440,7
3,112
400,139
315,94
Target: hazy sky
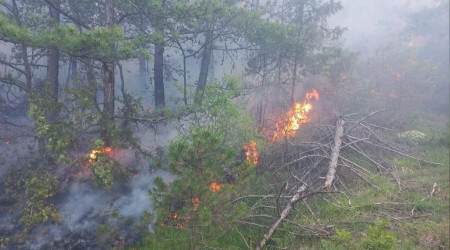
371,22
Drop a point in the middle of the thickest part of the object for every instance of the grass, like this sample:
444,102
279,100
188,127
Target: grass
416,220
399,214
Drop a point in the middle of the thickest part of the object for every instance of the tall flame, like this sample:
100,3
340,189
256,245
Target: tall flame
251,152
288,125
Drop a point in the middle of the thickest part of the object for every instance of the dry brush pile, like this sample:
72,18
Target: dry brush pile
339,151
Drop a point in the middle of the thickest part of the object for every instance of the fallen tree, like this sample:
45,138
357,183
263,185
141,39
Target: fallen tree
312,168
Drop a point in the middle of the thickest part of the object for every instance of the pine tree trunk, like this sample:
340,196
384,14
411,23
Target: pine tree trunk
142,71
206,59
53,59
159,76
73,68
108,84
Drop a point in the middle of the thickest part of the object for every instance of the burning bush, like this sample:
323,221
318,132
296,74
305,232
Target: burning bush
101,165
202,159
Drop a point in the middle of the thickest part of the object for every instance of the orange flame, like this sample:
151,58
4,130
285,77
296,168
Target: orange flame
251,152
312,94
95,152
215,187
287,126
196,202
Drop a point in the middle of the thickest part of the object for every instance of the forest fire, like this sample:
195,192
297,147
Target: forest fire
95,152
251,152
288,125
196,202
215,187
175,220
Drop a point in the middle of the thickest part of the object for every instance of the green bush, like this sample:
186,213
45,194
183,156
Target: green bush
39,188
378,237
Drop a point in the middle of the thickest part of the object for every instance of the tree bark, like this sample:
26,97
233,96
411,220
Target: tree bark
294,79
24,49
143,71
206,59
108,84
53,56
297,60
73,68
184,80
335,153
159,76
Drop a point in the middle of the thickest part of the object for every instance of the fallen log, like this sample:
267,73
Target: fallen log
302,189
287,210
335,153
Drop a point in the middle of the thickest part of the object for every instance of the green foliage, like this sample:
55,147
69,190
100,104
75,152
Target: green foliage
105,234
222,113
342,237
43,110
206,153
62,123
99,42
79,112
101,169
146,217
378,237
39,188
412,137
4,241
101,165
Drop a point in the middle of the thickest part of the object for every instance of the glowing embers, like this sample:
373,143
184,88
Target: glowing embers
287,126
196,203
251,153
215,187
175,220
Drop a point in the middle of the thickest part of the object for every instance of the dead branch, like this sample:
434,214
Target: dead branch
258,196
297,196
378,165
405,154
433,190
362,119
361,138
359,175
355,164
335,153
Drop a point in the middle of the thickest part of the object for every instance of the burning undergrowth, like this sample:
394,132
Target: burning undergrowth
91,217
288,124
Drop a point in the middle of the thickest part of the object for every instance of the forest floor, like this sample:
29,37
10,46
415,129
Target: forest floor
408,208
404,207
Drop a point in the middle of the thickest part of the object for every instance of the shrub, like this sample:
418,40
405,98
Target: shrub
378,237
